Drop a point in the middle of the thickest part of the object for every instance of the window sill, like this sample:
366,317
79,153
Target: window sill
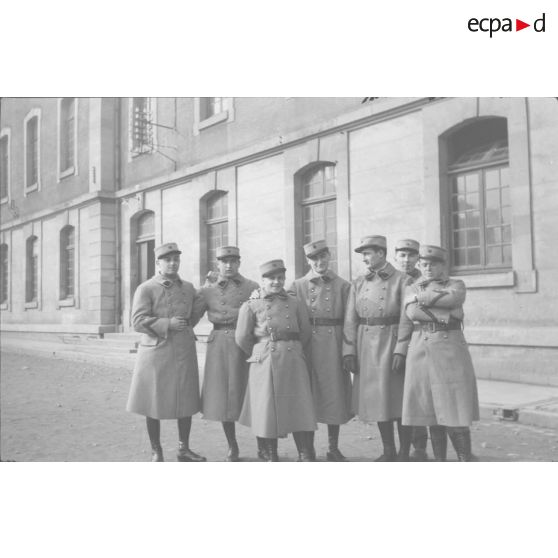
70,171
66,302
32,188
214,119
32,304
488,280
143,151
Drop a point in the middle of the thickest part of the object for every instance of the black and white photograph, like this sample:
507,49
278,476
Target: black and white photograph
293,272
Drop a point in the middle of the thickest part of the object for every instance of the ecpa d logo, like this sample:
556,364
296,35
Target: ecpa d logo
492,25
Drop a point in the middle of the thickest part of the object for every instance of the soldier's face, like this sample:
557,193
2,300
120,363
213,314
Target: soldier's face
320,262
373,259
432,269
228,267
273,284
406,260
168,265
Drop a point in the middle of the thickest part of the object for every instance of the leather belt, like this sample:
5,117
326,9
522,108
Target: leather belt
284,336
230,325
326,321
432,327
386,320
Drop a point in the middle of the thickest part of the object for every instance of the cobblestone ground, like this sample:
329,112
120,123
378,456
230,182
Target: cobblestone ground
59,410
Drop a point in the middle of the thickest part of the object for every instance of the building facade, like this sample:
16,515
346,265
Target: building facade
90,186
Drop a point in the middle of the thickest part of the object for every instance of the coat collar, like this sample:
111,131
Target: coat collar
415,273
166,282
383,273
327,277
223,281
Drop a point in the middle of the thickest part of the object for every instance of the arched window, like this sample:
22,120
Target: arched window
3,273
67,262
32,269
479,196
145,246
217,226
319,208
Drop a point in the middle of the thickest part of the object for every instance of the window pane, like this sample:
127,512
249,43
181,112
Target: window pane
472,182
492,179
4,167
473,219
459,220
473,238
506,215
460,239
472,201
473,256
459,184
494,255
505,176
493,235
459,203
506,233
146,225
505,196
459,257
3,273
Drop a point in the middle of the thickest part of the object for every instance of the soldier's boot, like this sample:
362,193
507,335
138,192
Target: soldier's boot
439,441
388,441
230,433
154,433
420,441
461,440
301,442
405,438
262,448
184,451
333,453
310,444
272,446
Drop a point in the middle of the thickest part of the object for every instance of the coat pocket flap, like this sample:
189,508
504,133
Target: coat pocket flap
149,340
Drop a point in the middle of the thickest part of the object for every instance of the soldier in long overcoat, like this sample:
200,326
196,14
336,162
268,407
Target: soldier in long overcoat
406,259
165,382
440,386
226,370
325,295
274,330
369,340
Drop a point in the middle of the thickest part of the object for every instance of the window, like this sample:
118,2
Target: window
67,262
3,274
67,136
217,226
32,269
4,166
479,197
209,111
32,146
211,105
145,246
319,208
141,125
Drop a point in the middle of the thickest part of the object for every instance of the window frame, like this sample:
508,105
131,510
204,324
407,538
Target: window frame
33,278
209,223
36,186
483,267
72,169
7,133
145,149
313,201
4,270
202,121
66,298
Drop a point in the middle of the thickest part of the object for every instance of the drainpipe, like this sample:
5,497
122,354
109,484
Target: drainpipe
117,185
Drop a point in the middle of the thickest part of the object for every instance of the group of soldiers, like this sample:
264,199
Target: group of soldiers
387,347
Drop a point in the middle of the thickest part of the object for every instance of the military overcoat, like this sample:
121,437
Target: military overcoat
440,383
325,297
278,398
377,297
226,370
165,382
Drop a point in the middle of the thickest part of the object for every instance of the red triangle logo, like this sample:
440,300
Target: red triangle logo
519,25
